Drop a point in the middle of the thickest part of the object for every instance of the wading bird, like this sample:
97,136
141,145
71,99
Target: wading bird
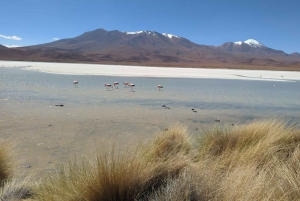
159,87
75,83
107,86
131,85
125,84
116,84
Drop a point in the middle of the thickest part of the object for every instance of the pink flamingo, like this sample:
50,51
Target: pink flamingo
75,83
107,85
125,84
131,85
159,87
116,84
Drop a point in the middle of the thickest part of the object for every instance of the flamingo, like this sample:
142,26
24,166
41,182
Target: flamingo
131,85
107,85
116,84
75,83
159,87
125,84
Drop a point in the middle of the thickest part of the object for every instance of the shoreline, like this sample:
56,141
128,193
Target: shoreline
154,72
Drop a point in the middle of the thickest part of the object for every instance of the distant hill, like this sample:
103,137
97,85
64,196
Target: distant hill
151,48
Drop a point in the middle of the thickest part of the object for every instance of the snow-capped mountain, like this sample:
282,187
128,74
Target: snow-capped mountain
150,32
100,39
126,46
250,46
138,32
251,42
170,35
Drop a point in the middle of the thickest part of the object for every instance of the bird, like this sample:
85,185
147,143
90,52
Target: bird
116,84
131,85
159,87
125,84
107,85
75,83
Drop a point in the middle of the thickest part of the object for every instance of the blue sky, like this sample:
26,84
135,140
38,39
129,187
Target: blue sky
275,23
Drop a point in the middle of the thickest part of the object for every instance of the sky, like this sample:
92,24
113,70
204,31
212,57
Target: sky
275,23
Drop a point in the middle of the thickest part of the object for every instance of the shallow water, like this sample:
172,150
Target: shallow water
92,115
259,97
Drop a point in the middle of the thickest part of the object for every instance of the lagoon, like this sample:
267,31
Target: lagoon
92,116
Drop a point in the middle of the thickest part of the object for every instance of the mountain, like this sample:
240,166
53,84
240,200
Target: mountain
151,48
141,46
97,40
250,46
12,53
100,39
2,47
295,54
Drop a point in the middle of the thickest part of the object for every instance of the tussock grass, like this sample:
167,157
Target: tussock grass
130,175
11,188
17,189
169,143
255,161
6,162
257,142
182,188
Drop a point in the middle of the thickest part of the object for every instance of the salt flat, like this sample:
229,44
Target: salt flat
142,71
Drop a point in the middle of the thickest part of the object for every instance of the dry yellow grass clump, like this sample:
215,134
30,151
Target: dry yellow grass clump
256,161
6,166
11,188
129,175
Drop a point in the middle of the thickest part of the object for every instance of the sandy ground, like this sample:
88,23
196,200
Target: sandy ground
46,136
139,71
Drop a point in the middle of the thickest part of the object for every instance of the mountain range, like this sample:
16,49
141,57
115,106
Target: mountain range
151,48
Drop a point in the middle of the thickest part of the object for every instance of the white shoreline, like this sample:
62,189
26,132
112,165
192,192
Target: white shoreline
142,71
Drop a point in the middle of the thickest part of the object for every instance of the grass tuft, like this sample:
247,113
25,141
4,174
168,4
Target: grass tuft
17,189
256,161
169,143
6,164
126,175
